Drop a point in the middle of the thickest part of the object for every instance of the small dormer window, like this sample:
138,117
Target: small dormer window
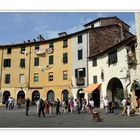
9,50
80,39
37,47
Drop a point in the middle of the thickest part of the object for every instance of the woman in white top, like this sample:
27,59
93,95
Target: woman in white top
37,106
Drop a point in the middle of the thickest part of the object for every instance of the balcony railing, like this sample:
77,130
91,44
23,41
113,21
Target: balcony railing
80,81
131,60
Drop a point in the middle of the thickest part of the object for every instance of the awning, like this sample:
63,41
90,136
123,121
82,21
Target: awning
91,88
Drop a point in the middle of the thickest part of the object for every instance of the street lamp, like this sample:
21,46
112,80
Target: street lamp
127,76
127,72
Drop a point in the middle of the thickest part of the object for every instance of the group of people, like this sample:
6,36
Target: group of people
43,107
125,105
109,106
72,105
10,103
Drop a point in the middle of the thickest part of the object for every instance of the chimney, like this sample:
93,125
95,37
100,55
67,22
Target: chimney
62,34
28,41
41,38
34,40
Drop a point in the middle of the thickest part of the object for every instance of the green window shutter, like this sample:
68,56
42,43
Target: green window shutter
76,73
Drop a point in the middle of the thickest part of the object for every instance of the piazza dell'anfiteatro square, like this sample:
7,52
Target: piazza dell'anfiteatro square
79,71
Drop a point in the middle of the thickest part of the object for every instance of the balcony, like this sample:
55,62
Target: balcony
131,59
80,81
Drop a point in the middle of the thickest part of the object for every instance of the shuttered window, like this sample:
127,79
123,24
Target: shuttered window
50,59
7,63
36,61
7,78
22,63
65,58
112,57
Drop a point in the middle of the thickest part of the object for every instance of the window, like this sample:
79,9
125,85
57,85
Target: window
50,59
36,77
22,50
22,63
80,73
9,50
36,61
7,63
94,62
65,43
80,54
65,58
36,47
51,46
65,75
50,76
79,39
7,78
112,57
21,78
95,79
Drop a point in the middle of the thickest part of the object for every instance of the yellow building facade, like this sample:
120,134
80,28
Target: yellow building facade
38,69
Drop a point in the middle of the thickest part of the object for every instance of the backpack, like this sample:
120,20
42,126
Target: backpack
42,104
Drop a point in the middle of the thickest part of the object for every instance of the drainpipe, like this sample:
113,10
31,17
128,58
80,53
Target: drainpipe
129,78
1,69
87,63
1,74
29,68
87,58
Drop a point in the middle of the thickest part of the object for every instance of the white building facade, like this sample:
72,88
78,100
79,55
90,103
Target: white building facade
79,64
113,77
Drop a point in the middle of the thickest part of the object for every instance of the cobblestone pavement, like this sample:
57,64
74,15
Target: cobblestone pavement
16,119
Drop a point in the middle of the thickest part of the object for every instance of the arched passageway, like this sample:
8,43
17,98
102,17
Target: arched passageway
6,96
50,96
35,96
65,95
115,90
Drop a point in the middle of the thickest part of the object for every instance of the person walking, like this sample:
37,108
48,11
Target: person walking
78,106
46,107
41,108
6,103
106,105
27,103
138,103
128,104
63,107
37,106
10,100
13,103
111,107
71,105
75,106
57,106
51,107
124,106
91,104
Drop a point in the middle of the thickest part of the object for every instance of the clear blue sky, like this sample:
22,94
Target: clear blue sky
16,27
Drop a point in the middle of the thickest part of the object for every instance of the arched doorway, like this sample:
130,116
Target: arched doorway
35,96
115,90
50,95
65,95
6,95
80,95
21,97
96,97
136,88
